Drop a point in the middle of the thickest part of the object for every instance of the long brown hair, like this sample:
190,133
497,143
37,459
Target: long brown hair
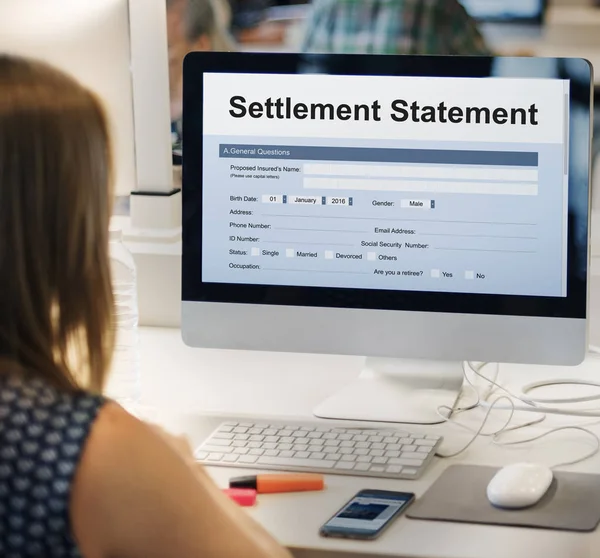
56,302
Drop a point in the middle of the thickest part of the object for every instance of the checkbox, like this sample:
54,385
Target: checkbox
371,256
328,255
470,275
255,251
289,252
435,273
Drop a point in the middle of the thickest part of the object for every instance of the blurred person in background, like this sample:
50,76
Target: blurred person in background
250,24
192,25
392,27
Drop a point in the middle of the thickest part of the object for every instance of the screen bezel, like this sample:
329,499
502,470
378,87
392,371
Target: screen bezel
406,497
574,305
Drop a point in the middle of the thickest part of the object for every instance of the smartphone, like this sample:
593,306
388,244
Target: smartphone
367,514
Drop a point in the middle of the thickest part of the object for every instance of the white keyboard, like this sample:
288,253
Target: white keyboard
373,452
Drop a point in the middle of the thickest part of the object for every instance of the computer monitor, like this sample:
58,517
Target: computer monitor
419,211
118,49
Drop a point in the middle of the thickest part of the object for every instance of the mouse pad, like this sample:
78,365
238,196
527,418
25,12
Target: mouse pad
572,502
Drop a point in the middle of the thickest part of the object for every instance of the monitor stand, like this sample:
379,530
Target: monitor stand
397,390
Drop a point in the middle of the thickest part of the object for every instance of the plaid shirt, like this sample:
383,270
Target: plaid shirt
392,27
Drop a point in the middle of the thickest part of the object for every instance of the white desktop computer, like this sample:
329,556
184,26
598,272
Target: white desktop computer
418,211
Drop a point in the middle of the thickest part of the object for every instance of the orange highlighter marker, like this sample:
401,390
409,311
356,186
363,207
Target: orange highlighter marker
269,484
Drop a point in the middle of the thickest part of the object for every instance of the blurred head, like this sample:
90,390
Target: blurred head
193,25
55,205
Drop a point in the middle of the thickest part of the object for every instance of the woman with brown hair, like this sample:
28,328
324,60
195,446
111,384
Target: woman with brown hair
78,475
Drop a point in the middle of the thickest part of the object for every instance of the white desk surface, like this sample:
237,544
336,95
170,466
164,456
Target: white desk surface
192,390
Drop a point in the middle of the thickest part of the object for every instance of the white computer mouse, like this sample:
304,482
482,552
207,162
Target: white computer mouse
519,485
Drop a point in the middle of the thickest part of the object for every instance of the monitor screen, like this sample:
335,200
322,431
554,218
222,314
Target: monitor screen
454,186
505,10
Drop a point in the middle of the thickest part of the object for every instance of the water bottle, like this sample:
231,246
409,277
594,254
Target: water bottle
124,382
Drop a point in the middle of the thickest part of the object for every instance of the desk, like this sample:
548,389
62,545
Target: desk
183,382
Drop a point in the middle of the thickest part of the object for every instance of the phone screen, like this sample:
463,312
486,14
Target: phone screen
367,513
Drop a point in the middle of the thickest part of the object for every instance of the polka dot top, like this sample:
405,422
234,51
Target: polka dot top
42,434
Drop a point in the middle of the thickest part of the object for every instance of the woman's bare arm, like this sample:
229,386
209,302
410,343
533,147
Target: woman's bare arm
136,495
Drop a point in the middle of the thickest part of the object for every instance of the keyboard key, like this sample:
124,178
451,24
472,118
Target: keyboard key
257,438
251,458
241,451
316,442
299,434
391,440
332,443
272,452
345,451
392,454
201,455
362,467
240,430
364,459
348,458
409,448
287,439
425,442
286,453
287,462
377,469
378,445
347,444
317,455
417,436
375,439
330,436
405,462
239,444
360,438
242,436
412,455
284,447
393,447
214,457
379,460
405,441
395,469
362,445
270,432
246,424
254,445
256,452
217,449
424,449
218,442
255,431
269,445
300,447
344,465
315,434
231,458
344,437
305,455
308,428
223,436
376,453
361,451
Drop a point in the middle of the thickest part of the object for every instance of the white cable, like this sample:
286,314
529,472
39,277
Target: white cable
479,431
506,428
561,382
